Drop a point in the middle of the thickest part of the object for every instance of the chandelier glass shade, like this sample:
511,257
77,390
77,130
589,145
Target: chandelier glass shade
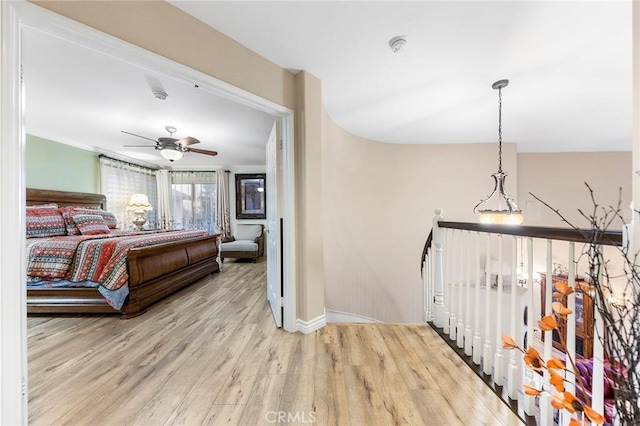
171,154
499,207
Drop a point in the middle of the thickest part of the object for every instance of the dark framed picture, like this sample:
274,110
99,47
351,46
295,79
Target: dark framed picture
251,200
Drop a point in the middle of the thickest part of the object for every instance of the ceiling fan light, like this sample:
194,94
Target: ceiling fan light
171,154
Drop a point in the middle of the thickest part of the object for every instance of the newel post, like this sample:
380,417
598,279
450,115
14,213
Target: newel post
438,275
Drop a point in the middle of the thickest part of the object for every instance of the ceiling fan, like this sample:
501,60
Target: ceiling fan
173,148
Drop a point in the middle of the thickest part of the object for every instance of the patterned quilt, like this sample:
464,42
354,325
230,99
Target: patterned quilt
97,258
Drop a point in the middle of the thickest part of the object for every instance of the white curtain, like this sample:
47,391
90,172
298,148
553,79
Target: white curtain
120,180
194,200
164,199
222,210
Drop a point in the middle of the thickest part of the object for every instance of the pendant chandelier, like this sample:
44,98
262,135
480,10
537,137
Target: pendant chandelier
498,207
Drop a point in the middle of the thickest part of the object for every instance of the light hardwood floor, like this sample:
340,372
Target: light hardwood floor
210,354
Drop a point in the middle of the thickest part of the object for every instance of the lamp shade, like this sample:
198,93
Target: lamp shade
171,154
139,203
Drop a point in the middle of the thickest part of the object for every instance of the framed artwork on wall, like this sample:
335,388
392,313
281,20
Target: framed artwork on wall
251,200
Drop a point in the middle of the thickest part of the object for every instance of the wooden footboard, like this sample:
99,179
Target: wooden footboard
157,271
154,272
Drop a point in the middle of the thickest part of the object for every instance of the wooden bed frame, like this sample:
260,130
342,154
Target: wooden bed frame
154,272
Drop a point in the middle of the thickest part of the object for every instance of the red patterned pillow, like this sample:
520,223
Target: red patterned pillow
109,218
44,221
67,215
72,229
90,224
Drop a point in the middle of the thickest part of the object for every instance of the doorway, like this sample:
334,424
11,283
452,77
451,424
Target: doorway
14,17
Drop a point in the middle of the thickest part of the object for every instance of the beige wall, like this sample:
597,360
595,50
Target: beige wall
166,30
309,171
379,200
559,178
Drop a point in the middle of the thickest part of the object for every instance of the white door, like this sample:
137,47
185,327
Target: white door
274,284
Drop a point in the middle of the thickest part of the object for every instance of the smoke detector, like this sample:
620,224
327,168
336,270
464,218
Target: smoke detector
159,94
398,43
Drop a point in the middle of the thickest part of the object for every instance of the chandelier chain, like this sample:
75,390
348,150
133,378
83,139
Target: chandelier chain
499,130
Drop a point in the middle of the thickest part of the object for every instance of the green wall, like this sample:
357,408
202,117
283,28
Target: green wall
52,165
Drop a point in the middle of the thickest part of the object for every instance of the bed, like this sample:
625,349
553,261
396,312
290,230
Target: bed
153,271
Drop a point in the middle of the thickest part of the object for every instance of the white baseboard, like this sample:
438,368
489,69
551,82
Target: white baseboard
338,316
308,327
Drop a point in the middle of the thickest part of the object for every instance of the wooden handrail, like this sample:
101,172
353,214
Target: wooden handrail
607,238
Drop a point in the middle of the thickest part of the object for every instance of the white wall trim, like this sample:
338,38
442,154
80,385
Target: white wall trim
13,341
339,316
308,327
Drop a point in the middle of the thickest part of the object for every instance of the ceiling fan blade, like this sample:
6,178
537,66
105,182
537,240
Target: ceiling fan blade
139,146
202,151
188,141
143,137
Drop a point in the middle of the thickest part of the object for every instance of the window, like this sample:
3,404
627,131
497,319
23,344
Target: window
193,196
120,180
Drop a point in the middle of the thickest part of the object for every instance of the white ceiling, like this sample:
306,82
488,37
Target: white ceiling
569,64
80,97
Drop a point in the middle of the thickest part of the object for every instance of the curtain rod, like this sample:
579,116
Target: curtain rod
126,162
192,171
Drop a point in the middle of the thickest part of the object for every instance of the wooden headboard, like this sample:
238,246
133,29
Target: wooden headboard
64,198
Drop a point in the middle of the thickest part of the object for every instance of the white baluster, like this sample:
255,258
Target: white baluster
477,339
498,363
529,402
438,272
468,349
512,374
448,248
546,410
487,364
571,331
597,386
462,259
454,258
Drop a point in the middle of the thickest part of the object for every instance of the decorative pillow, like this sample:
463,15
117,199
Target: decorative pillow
44,222
109,218
72,229
67,215
90,224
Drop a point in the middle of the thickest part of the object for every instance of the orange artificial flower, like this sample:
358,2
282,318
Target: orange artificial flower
555,363
563,288
530,390
557,402
559,309
574,422
533,360
571,403
548,323
556,380
593,415
508,342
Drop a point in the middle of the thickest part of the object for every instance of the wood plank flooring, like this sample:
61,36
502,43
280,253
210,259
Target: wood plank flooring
211,355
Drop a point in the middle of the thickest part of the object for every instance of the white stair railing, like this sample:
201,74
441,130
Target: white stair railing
474,300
